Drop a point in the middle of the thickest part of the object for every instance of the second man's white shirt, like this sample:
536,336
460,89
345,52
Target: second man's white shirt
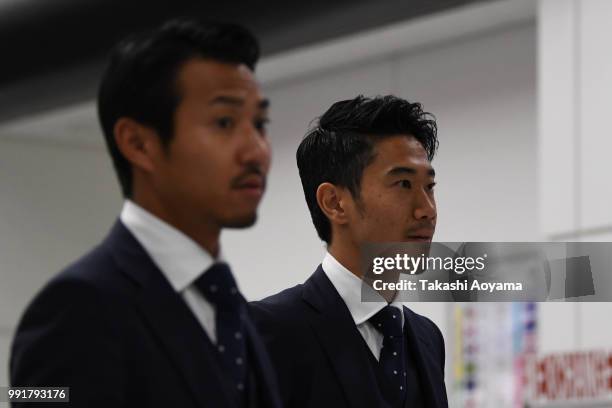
349,286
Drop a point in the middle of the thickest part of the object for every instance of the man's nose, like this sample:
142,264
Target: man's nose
254,148
425,208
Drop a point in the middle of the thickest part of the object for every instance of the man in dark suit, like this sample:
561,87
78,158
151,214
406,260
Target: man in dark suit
367,177
152,317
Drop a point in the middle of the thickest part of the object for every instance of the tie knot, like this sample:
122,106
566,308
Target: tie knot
218,286
388,321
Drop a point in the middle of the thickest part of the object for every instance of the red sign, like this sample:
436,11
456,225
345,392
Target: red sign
569,376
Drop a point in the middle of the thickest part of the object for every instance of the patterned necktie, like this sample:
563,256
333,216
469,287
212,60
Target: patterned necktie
388,322
218,286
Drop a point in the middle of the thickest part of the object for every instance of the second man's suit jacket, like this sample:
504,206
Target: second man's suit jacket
321,358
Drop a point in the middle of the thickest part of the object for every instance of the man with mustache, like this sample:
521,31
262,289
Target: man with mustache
152,317
367,177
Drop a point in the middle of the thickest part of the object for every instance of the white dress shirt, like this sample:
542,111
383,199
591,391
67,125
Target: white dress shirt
177,256
349,287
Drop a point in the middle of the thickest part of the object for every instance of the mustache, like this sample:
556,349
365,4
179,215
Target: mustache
250,171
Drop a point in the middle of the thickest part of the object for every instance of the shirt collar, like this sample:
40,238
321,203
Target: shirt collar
349,287
178,257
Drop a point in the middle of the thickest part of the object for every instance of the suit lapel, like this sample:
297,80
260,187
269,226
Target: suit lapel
341,341
172,322
426,362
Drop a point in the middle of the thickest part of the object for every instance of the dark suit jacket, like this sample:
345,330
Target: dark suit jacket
319,353
112,329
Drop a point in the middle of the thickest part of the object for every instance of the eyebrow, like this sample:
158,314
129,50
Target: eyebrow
409,170
236,101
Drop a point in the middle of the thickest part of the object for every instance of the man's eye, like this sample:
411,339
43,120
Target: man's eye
225,123
261,124
404,183
431,186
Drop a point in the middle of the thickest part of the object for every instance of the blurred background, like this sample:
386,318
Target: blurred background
521,91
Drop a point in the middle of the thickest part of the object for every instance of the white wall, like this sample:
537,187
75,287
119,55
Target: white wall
5,338
574,79
482,90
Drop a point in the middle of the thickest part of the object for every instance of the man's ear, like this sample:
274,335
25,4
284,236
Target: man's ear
331,201
139,144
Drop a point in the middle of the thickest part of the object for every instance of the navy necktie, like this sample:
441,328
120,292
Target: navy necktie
218,286
388,322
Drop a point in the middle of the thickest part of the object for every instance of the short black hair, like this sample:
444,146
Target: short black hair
140,80
342,145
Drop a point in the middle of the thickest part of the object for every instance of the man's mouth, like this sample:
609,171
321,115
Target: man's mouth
420,236
252,185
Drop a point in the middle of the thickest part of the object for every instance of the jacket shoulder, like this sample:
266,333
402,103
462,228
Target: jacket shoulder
284,305
73,314
96,269
88,282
